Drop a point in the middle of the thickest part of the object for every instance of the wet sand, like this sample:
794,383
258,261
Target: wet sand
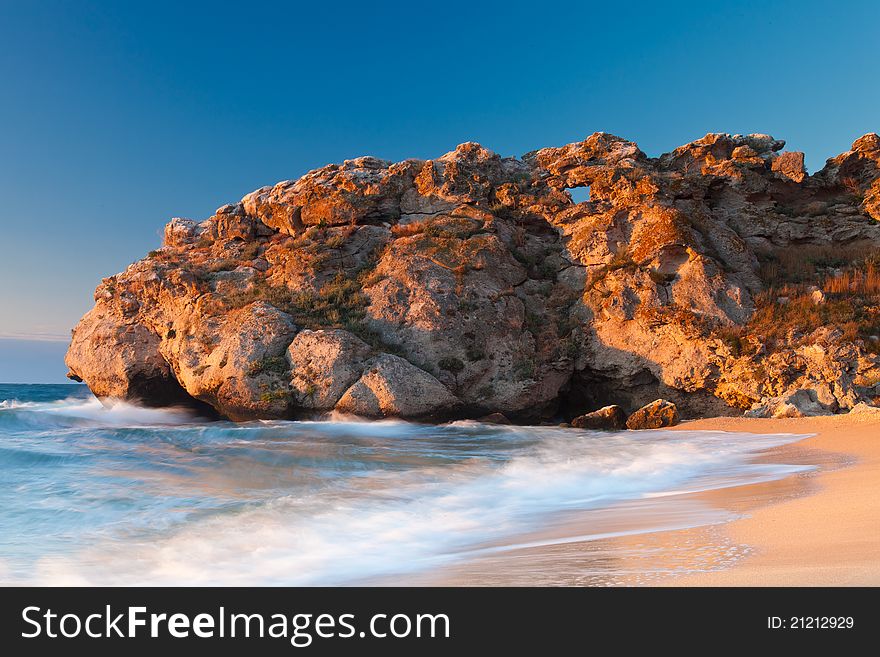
829,535
820,527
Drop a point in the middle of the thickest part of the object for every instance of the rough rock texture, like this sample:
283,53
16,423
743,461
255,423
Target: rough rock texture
392,386
800,403
122,360
236,362
657,414
863,408
324,364
477,280
610,418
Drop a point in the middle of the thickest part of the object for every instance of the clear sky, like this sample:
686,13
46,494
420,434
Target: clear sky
116,116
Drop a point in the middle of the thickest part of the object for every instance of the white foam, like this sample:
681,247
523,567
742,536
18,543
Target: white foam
14,403
399,521
109,412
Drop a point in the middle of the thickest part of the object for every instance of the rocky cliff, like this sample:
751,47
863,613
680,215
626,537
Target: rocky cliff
720,276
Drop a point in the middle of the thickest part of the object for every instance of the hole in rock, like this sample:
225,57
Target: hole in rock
579,194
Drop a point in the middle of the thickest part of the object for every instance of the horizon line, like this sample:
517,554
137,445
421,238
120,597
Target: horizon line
35,337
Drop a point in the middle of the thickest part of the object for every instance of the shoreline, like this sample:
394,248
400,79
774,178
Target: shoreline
798,508
814,528
826,535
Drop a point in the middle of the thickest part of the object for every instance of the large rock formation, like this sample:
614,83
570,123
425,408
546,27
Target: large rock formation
473,284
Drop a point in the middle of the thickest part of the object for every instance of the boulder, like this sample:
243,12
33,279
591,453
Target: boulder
866,409
393,387
659,413
609,418
323,365
121,360
800,403
236,363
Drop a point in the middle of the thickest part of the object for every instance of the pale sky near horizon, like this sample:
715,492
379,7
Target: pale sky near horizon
116,117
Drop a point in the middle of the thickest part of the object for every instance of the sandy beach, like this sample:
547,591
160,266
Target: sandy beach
828,536
816,528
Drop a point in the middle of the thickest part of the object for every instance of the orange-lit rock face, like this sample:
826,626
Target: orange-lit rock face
472,284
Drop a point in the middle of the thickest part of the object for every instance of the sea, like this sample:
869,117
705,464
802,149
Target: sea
118,494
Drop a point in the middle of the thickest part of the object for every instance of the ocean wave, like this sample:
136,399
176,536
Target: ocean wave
117,494
14,403
77,411
398,520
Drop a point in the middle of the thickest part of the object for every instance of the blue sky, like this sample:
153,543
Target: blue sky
115,117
